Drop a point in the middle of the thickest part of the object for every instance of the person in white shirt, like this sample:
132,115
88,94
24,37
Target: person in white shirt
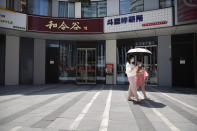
131,70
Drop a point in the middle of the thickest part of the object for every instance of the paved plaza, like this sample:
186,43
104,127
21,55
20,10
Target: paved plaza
68,107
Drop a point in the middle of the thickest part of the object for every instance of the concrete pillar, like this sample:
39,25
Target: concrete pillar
39,61
113,7
151,4
111,59
3,4
77,9
164,62
12,60
55,7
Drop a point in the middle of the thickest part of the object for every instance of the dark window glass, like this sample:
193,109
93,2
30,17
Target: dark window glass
17,5
137,6
94,9
2,59
131,6
100,74
125,6
40,7
165,3
26,61
67,61
66,9
52,61
149,62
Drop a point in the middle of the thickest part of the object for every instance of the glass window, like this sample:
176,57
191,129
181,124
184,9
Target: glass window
149,62
137,6
26,61
125,6
67,61
165,3
2,59
66,9
94,9
100,61
40,7
17,5
131,6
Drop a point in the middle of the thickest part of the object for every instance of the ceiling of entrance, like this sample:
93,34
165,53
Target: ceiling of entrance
108,36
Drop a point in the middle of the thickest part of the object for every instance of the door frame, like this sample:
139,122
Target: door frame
86,66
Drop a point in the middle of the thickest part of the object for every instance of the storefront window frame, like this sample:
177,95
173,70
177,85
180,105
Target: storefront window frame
67,9
172,4
39,14
133,45
130,10
96,9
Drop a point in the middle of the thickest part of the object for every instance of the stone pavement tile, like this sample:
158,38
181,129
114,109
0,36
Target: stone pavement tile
122,126
94,115
186,126
160,126
61,123
89,125
116,116
120,109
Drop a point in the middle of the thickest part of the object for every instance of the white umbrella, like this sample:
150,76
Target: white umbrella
142,51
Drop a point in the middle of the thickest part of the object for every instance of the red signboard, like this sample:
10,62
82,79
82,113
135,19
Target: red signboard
109,68
64,25
186,11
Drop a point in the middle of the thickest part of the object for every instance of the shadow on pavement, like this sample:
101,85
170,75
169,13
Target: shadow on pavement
150,104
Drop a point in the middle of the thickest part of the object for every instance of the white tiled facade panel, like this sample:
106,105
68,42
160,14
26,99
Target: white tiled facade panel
155,17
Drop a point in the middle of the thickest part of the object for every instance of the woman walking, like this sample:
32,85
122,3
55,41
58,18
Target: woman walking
131,74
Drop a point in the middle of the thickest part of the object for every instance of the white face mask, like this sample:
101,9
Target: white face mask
132,60
140,65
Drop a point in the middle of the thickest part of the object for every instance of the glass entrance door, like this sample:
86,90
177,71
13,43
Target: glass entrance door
86,66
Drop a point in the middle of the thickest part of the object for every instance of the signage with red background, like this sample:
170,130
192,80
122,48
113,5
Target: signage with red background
186,11
64,25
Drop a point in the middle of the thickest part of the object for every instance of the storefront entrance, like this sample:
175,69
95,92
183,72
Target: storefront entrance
86,66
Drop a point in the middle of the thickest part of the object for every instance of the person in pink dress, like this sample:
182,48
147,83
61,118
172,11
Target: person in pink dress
140,78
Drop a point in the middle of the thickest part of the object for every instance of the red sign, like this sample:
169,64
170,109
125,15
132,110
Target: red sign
186,11
109,68
155,23
64,25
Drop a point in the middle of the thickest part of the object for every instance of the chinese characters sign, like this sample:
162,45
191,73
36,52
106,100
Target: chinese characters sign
12,20
62,25
138,21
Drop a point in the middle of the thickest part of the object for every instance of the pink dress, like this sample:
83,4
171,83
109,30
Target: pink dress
140,78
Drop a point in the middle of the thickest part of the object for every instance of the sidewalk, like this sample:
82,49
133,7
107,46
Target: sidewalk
70,107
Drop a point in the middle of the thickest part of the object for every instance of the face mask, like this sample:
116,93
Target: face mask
132,60
140,65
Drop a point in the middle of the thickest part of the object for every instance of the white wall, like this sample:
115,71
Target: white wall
39,61
2,3
12,60
151,4
55,7
77,9
164,62
113,7
111,58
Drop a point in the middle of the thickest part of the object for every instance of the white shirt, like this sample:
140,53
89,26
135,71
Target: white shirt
128,68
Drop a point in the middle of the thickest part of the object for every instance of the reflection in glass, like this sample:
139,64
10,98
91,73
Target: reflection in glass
131,6
94,9
150,62
40,7
67,61
66,9
165,3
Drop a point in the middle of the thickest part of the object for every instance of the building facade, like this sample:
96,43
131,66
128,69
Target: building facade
68,41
